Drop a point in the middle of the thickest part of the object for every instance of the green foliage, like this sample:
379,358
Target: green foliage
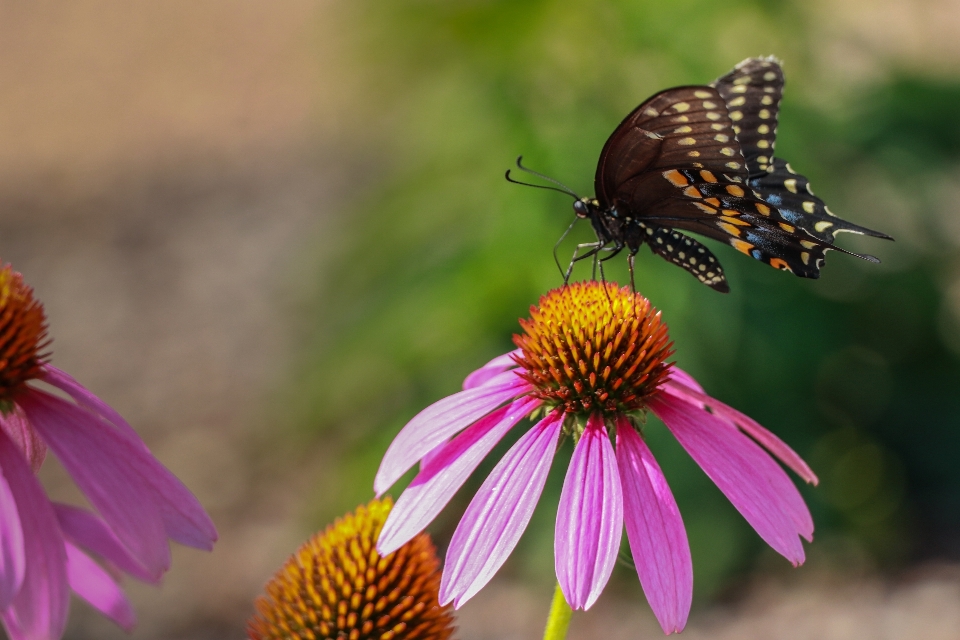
440,258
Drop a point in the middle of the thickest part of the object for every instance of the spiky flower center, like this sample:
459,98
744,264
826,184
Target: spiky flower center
337,586
592,346
23,336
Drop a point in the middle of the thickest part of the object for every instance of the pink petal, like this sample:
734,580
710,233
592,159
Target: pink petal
589,518
31,445
655,531
447,470
499,513
756,485
103,463
86,398
90,532
496,366
39,609
93,584
772,443
12,558
439,422
184,518
681,377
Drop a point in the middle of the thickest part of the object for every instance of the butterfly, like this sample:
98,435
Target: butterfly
701,159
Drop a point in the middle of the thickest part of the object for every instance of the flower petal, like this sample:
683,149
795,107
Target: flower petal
437,423
770,442
184,518
103,463
681,377
655,531
31,445
12,558
93,584
445,472
86,398
90,532
499,513
589,518
496,366
39,609
756,485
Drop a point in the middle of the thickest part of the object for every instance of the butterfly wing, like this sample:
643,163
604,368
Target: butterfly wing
680,127
752,92
790,193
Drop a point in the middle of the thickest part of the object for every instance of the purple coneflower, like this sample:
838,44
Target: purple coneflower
48,549
591,361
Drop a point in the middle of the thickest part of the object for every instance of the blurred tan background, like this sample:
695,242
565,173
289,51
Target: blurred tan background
169,175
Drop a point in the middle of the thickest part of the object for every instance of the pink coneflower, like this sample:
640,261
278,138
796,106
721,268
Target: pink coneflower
591,361
48,549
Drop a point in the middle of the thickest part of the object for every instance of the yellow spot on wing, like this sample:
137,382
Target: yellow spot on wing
650,111
681,119
709,105
764,113
809,206
767,100
680,107
703,94
727,151
736,102
684,129
705,208
742,80
806,244
805,257
769,76
741,88
822,226
763,129
713,115
736,115
687,141
791,185
763,144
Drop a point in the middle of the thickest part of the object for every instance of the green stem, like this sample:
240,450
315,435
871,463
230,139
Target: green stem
559,619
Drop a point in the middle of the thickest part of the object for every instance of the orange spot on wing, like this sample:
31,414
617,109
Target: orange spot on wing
714,201
777,263
705,208
692,192
787,227
734,190
741,246
676,178
736,221
709,177
762,208
731,229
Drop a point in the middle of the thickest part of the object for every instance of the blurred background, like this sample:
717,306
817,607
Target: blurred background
271,234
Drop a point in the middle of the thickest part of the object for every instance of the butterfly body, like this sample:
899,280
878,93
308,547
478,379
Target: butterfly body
701,159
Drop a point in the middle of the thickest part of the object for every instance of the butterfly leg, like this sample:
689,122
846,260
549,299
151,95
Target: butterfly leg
630,259
594,248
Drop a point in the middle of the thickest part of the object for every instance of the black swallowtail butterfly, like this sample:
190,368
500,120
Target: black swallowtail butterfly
700,158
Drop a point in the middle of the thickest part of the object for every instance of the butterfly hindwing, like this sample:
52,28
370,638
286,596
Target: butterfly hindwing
791,194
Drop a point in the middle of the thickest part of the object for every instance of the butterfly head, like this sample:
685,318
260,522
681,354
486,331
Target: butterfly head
585,207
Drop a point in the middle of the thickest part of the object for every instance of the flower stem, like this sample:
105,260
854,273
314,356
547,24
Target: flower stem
559,619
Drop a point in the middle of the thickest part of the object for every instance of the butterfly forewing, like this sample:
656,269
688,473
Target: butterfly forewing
752,93
693,130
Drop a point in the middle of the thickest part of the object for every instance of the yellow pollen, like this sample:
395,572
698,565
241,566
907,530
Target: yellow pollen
337,586
592,346
23,336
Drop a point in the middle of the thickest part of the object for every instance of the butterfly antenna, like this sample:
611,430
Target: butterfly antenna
563,188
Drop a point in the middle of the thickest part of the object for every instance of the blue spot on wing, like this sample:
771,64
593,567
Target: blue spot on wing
791,216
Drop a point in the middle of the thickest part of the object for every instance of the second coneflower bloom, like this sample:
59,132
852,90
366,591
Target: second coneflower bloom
337,586
592,359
